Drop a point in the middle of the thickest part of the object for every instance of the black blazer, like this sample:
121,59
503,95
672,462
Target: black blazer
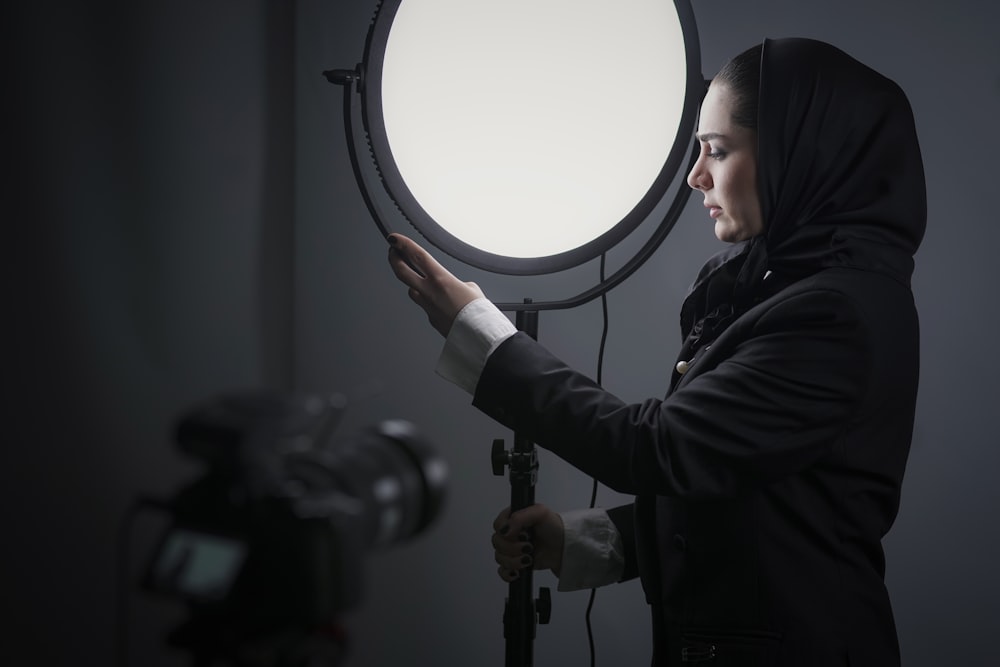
764,480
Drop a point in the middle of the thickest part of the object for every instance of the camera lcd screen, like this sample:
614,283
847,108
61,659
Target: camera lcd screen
197,565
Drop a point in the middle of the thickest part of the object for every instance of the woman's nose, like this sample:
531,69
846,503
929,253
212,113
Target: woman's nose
698,178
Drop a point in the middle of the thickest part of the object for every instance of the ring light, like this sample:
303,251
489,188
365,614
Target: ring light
529,136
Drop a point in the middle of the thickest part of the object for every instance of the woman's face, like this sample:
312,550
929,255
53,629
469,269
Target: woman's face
726,170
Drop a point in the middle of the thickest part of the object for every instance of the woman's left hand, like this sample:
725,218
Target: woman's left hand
432,287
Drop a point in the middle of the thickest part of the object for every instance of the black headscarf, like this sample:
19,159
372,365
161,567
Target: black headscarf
840,180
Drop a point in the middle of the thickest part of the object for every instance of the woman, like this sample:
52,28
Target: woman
767,476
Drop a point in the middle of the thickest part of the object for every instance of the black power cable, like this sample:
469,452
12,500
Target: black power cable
593,491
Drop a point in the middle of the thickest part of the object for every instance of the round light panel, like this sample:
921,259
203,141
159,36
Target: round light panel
527,136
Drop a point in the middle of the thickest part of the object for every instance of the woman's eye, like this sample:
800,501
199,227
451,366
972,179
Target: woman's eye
717,155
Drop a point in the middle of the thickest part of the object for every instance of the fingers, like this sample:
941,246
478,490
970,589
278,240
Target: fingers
404,270
501,519
513,549
432,287
410,260
512,555
527,518
511,527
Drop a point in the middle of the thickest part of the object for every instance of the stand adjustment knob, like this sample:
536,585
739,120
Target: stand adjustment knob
543,605
499,457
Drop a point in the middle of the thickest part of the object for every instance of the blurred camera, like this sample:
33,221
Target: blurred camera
271,540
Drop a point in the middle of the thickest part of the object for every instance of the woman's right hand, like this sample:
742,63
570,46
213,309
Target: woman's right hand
531,537
432,287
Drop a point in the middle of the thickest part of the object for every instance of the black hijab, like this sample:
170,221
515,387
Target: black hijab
840,181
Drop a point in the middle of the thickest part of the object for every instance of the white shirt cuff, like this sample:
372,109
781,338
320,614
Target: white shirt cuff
593,554
477,330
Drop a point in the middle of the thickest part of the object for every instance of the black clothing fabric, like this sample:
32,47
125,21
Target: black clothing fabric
767,476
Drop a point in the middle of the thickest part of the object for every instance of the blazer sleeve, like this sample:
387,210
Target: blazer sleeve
624,519
773,394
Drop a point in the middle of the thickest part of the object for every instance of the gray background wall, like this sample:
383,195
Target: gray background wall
181,220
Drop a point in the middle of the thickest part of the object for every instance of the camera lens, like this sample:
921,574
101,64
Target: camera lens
389,480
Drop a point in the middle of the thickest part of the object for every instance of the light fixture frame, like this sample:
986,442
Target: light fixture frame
369,78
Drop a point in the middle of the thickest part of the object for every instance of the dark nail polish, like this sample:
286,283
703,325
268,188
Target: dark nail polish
392,240
525,560
513,573
524,537
504,529
527,549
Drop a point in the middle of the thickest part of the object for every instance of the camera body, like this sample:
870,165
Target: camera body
272,539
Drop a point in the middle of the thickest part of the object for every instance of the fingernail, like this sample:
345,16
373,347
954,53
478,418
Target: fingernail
525,560
504,529
513,573
393,240
527,549
524,537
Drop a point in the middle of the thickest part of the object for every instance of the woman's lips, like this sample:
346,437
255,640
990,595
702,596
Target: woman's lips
714,211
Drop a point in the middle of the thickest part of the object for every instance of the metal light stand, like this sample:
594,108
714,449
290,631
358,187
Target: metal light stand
522,611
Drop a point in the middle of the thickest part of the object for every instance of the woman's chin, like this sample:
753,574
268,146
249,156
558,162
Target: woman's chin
725,232
728,232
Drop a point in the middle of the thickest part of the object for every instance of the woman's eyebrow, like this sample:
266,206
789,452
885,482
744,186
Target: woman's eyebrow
708,136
